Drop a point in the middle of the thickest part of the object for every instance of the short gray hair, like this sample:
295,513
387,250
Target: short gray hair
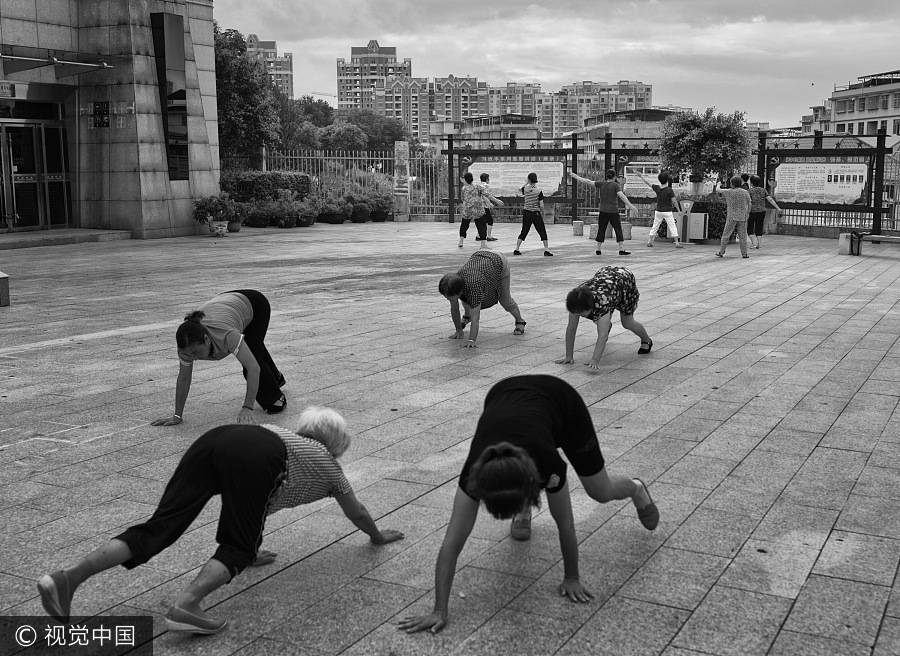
326,426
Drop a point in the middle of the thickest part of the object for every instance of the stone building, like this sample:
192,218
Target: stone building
107,114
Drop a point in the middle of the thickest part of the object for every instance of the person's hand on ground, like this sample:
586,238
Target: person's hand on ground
469,343
174,420
573,589
593,364
565,361
245,416
387,537
457,335
433,622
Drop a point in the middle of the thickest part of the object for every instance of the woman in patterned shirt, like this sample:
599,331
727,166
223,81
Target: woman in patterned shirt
737,213
611,288
257,470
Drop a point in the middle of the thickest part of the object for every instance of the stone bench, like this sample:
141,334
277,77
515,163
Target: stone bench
850,243
4,289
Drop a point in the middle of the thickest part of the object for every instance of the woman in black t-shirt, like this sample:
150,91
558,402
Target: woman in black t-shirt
514,456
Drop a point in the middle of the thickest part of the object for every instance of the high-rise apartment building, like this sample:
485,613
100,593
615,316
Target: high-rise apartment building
406,99
514,98
357,78
279,68
867,105
458,98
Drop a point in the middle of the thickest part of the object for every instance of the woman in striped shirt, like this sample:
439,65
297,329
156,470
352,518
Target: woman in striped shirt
533,214
257,470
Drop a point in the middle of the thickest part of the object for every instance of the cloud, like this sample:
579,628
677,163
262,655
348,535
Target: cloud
760,56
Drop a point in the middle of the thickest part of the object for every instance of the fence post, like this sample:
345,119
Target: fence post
607,152
401,181
451,192
574,210
878,200
761,157
263,154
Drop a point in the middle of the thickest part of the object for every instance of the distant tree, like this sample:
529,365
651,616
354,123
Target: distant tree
342,136
295,132
246,106
381,132
317,112
697,143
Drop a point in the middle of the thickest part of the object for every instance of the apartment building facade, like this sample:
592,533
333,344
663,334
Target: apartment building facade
357,77
280,68
867,105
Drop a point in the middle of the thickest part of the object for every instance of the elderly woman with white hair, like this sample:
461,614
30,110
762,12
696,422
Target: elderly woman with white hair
257,470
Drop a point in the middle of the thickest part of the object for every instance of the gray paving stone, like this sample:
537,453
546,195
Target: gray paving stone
871,515
731,621
791,643
888,642
627,626
698,471
859,557
793,441
838,609
795,524
512,633
711,531
771,568
673,577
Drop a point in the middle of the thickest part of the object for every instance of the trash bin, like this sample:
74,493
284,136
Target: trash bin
578,228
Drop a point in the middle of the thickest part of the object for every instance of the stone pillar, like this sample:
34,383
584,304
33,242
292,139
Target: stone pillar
401,181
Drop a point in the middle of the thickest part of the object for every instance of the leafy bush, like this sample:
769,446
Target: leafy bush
263,185
215,208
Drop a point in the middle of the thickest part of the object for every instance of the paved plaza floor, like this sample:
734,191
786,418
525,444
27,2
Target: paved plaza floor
765,422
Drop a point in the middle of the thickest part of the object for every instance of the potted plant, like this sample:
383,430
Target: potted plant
215,211
382,203
239,214
334,208
308,209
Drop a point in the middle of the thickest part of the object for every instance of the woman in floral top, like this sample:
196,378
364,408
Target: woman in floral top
611,288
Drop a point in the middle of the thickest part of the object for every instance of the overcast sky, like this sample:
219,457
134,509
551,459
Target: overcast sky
769,59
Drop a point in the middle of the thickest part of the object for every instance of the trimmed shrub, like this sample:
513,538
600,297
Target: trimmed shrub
247,186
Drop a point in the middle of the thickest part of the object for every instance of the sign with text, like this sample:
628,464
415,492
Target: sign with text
822,182
508,177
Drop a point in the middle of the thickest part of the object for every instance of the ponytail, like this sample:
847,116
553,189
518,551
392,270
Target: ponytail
191,330
505,477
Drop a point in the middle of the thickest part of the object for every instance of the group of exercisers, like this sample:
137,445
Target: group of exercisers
260,469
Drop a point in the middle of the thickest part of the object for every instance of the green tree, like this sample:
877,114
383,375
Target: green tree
295,129
317,112
341,135
700,143
381,132
246,106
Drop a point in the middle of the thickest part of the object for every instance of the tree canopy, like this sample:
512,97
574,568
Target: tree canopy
381,132
341,135
246,106
697,143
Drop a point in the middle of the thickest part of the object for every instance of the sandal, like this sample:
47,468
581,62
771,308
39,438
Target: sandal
275,409
649,514
520,328
263,557
644,350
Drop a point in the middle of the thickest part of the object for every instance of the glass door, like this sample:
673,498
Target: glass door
34,181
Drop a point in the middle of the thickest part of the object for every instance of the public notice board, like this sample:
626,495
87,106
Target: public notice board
507,178
822,182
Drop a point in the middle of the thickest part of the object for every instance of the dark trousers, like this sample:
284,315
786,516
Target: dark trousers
756,222
243,463
603,220
480,226
532,218
269,391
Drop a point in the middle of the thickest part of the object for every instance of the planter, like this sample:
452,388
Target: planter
287,222
306,221
219,228
329,217
359,215
234,226
379,216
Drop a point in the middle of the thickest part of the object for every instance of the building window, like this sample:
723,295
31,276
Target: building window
860,128
168,46
841,127
896,129
849,128
860,104
883,102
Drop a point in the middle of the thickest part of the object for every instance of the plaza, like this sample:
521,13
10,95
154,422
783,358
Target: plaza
765,422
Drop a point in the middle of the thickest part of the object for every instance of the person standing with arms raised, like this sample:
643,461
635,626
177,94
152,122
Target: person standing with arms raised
609,193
